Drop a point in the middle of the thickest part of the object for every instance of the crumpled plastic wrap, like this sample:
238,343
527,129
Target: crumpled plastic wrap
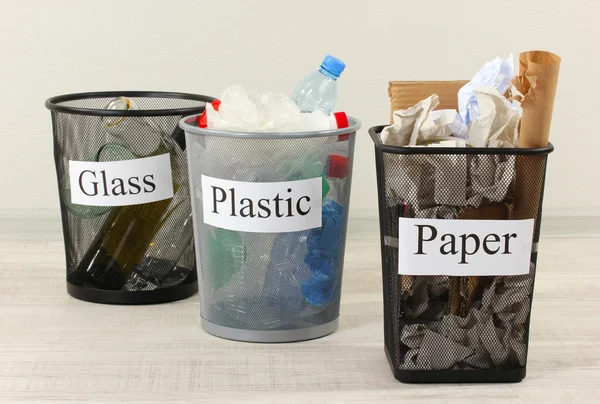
250,111
261,160
492,334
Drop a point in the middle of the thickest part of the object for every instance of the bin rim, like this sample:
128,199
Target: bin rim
53,103
189,125
528,151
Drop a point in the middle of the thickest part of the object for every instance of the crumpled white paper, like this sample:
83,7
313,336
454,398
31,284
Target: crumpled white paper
407,123
491,335
439,186
421,124
485,117
444,122
498,122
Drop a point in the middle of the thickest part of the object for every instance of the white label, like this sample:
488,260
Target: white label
262,207
121,183
464,247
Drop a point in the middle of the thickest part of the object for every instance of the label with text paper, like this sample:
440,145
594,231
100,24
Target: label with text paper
262,207
464,247
121,183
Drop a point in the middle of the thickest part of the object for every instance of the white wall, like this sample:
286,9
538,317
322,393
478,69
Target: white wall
62,46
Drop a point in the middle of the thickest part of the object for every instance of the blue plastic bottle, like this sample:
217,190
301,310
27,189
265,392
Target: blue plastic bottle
286,272
318,90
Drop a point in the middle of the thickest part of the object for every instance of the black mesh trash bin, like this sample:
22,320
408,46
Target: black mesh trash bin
457,303
124,194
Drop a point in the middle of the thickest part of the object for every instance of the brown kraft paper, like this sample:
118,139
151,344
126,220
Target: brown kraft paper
405,94
537,81
495,211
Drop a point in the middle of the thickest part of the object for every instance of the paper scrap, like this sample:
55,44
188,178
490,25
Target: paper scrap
498,122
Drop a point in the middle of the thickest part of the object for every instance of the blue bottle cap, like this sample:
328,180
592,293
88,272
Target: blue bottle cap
333,65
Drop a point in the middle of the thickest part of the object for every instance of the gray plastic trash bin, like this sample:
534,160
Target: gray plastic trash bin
270,214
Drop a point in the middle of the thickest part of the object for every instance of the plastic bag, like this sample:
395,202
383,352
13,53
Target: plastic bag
249,111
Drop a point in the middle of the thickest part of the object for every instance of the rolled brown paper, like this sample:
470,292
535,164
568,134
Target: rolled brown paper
464,294
537,81
473,288
454,295
494,211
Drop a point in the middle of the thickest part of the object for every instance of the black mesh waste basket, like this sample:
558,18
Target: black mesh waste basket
124,194
466,322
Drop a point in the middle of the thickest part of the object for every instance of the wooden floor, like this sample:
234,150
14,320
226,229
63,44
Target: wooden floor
55,349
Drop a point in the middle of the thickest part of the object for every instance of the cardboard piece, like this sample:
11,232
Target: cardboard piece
405,94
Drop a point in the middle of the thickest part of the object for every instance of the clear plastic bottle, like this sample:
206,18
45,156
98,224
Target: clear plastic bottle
286,272
318,90
319,121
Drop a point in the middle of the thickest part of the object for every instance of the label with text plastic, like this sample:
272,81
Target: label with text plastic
464,247
262,207
121,183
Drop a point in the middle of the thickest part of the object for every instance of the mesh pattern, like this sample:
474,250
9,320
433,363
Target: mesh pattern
128,248
257,281
144,103
435,323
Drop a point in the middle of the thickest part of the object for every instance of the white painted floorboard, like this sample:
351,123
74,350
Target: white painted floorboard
55,349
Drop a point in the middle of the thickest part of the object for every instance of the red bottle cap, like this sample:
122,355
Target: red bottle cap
202,122
342,122
338,166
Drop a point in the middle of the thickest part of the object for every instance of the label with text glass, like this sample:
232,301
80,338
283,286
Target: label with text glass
121,183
